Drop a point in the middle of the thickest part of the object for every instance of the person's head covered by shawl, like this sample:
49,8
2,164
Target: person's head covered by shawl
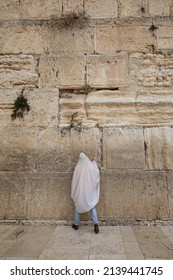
85,187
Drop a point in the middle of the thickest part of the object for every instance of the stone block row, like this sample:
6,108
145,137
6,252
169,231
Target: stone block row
128,195
56,150
44,9
92,37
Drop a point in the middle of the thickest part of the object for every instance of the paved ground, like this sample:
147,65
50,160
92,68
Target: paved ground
62,242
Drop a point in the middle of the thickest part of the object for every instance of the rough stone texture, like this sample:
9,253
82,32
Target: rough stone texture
160,8
78,40
75,6
18,71
159,147
130,8
170,184
134,195
165,37
107,71
40,9
124,148
43,107
20,37
152,70
101,9
9,9
62,71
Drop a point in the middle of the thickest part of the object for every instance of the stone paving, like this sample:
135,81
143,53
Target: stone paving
52,242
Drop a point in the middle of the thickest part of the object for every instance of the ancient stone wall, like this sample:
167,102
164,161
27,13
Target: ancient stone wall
98,76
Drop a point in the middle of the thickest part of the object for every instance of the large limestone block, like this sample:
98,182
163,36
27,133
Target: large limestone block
134,36
89,140
107,71
9,9
134,195
62,71
110,108
155,107
107,39
78,40
101,8
72,110
160,7
159,147
18,149
165,36
40,9
53,150
23,37
151,70
130,8
49,196
18,71
13,193
170,190
72,6
44,106
123,148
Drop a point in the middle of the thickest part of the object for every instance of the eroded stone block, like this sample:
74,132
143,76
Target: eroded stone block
124,148
18,149
165,36
62,71
159,147
9,9
152,70
40,9
108,71
53,150
101,9
130,8
75,6
107,39
134,195
170,190
159,8
23,38
18,71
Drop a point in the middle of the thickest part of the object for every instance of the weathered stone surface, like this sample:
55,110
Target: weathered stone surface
72,110
9,9
40,9
53,150
76,40
108,71
101,9
13,193
155,107
107,39
134,195
62,71
43,104
152,70
136,37
53,191
159,147
130,8
160,8
88,140
16,37
75,6
170,184
18,71
18,149
165,37
123,148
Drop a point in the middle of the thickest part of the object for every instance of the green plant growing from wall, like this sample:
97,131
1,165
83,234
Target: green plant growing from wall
20,107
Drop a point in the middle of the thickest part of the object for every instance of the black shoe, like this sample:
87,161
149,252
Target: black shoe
96,228
75,227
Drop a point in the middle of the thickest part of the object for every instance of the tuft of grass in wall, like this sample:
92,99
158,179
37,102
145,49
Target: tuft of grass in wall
20,107
153,27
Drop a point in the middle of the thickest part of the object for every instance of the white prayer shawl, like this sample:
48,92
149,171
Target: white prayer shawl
85,187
